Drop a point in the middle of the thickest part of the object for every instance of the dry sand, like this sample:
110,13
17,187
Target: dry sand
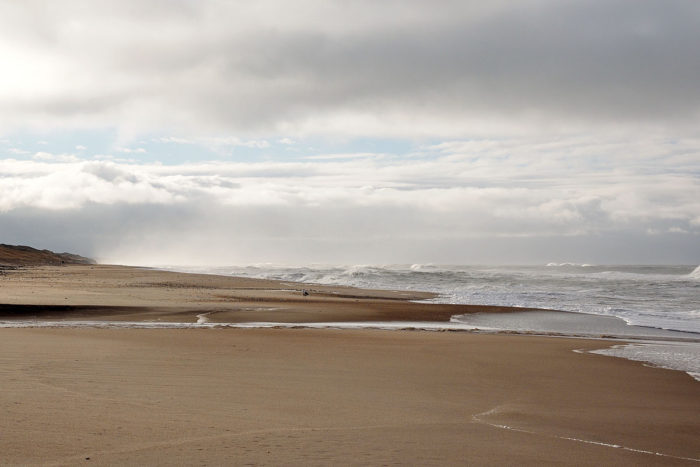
314,397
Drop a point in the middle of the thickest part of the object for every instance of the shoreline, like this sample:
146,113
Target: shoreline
629,347
132,296
621,291
123,292
103,386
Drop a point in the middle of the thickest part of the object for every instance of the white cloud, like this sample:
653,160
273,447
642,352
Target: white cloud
174,140
340,210
461,189
359,155
216,143
47,156
80,147
221,142
131,150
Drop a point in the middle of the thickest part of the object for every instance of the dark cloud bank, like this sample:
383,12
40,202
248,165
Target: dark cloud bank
210,66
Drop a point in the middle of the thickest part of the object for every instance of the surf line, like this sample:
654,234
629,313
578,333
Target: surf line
203,318
477,419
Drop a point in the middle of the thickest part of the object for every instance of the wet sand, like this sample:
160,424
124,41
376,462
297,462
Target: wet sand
138,294
313,397
319,397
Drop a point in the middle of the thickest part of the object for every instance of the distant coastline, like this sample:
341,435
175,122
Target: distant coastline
22,255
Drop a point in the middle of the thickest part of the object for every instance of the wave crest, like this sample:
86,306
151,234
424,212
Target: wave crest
695,274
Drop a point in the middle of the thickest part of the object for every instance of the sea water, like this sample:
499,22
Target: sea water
664,297
660,304
648,299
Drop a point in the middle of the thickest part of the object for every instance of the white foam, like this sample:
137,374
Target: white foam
664,297
479,418
695,274
682,356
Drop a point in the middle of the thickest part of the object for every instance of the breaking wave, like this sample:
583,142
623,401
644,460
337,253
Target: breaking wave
695,274
665,297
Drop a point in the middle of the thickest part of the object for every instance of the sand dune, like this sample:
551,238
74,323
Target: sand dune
21,255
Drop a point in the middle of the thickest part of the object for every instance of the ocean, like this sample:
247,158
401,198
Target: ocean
653,310
664,297
661,303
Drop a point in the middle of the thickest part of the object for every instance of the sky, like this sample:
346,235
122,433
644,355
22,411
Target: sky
211,132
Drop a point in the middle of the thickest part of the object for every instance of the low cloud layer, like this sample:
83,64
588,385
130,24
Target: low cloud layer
434,205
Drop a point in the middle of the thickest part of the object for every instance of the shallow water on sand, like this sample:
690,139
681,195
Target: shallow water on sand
659,347
666,349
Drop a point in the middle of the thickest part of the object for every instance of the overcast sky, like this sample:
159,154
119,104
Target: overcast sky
212,132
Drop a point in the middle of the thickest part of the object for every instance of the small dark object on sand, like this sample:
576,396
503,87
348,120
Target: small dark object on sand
305,292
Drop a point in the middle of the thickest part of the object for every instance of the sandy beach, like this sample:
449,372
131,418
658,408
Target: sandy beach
103,292
361,233
311,396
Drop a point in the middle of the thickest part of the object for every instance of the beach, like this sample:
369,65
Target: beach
104,292
220,395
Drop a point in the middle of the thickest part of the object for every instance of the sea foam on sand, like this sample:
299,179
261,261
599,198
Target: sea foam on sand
658,347
670,355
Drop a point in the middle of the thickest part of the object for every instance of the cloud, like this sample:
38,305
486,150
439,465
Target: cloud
219,144
487,192
47,156
131,150
570,124
350,68
359,155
